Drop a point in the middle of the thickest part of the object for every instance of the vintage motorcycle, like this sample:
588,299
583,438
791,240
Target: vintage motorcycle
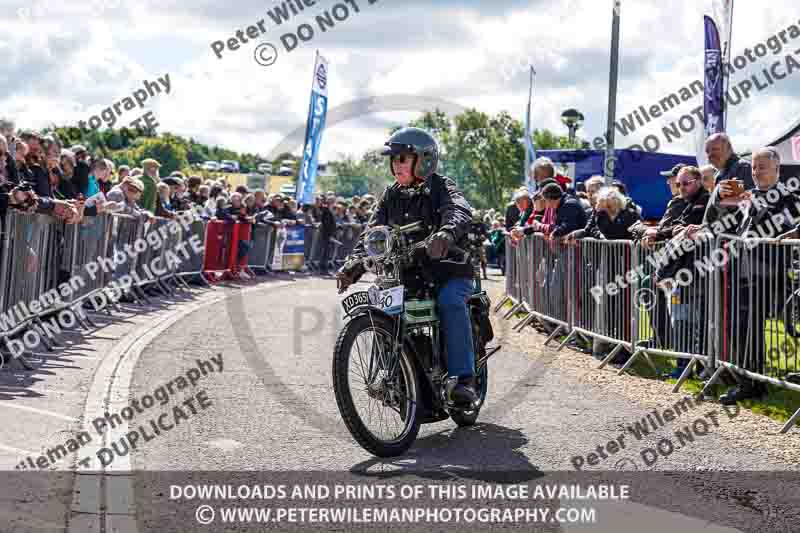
390,360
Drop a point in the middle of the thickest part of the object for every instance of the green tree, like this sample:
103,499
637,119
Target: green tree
490,148
547,140
358,176
170,153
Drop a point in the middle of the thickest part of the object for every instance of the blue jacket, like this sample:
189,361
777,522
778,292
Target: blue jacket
570,216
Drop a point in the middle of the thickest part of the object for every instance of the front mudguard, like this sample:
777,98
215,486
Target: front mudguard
364,309
429,399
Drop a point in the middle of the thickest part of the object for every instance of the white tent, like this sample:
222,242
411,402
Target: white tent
784,145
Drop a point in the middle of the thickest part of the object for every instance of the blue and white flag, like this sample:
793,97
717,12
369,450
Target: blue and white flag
317,110
714,81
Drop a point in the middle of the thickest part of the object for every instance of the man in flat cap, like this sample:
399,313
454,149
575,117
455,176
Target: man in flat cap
178,199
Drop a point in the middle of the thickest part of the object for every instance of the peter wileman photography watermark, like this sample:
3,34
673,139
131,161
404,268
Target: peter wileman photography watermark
67,317
717,258
113,112
400,502
266,53
781,68
148,429
651,423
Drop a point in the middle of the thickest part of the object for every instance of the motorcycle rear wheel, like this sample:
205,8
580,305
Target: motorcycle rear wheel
371,381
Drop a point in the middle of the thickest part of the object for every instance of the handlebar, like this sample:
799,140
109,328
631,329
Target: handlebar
414,226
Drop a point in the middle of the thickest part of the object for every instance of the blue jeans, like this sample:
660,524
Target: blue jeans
456,326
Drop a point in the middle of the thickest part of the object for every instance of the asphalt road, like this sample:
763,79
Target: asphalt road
269,417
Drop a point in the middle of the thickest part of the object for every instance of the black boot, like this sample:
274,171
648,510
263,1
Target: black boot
461,391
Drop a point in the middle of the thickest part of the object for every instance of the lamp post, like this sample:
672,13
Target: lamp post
613,73
573,120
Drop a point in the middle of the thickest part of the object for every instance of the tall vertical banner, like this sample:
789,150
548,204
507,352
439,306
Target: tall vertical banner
713,101
317,110
722,11
723,15
530,151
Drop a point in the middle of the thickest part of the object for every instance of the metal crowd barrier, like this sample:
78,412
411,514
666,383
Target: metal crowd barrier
84,243
145,260
263,248
314,247
733,305
341,244
170,255
674,320
515,273
511,277
28,270
308,241
219,240
545,270
758,290
346,236
42,255
192,268
602,307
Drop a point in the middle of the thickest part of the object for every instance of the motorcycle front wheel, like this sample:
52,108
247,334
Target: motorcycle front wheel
376,391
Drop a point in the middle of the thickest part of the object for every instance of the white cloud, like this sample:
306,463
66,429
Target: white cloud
61,66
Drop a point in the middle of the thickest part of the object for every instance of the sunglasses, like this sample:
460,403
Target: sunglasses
401,158
685,183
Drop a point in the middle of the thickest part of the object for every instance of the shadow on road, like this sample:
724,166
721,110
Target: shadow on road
484,452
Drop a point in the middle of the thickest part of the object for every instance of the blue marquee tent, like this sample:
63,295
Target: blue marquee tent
638,170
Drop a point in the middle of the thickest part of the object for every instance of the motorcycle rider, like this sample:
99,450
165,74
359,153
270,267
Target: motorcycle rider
420,194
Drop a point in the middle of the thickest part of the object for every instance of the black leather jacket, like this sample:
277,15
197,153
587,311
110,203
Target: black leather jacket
440,205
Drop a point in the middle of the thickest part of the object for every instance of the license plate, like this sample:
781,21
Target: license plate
390,301
357,299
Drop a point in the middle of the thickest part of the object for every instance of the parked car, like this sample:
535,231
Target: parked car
212,166
288,189
227,165
265,168
285,171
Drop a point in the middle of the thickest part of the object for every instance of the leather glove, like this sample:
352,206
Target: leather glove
343,280
439,243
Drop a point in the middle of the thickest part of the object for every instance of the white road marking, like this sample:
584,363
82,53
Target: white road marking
17,451
111,386
11,405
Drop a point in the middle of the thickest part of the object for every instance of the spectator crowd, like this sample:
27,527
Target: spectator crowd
730,196
39,174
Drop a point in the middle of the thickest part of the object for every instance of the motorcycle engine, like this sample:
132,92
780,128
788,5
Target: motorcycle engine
422,344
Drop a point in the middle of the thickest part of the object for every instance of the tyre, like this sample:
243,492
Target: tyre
468,418
363,371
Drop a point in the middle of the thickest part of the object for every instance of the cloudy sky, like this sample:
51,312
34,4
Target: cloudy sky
66,61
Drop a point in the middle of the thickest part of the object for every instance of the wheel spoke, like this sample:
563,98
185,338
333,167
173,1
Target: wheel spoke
378,387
